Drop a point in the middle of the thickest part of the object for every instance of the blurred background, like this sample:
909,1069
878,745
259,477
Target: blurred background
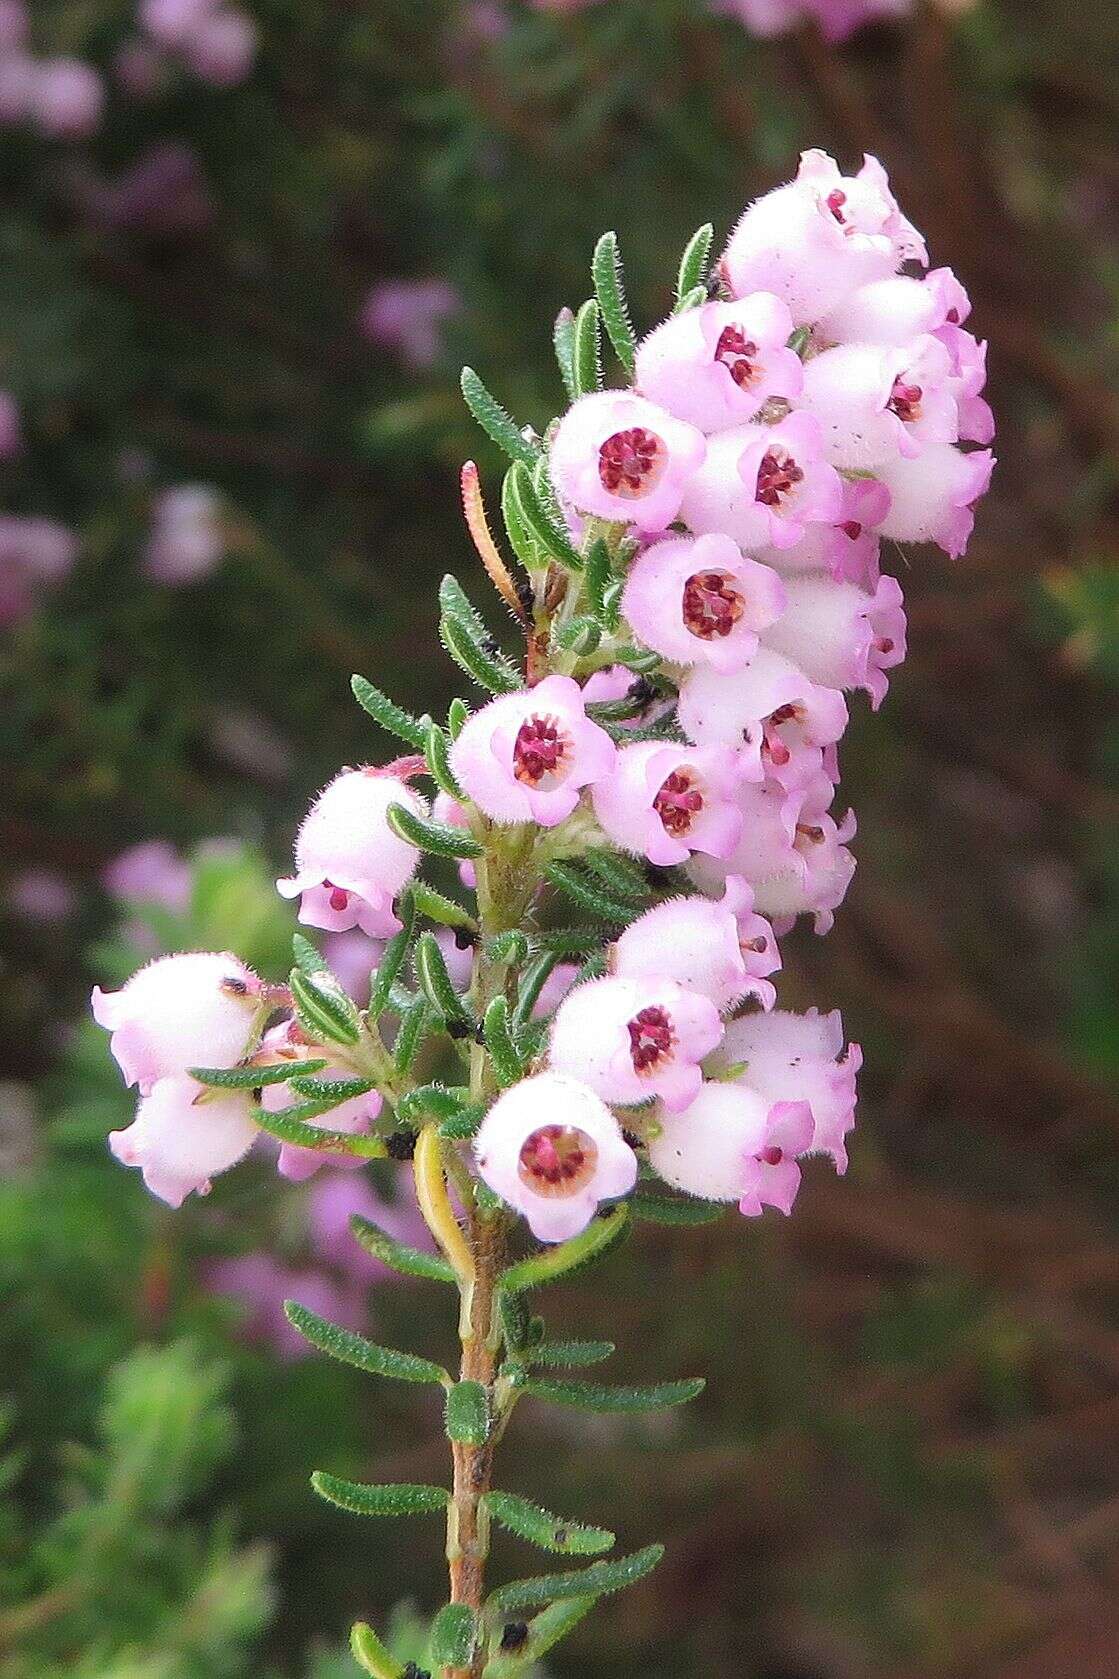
239,270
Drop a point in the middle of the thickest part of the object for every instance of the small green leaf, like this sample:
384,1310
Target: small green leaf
551,1263
457,713
595,1581
409,1261
580,635
460,1127
349,1348
442,909
392,718
569,941
520,537
509,949
400,1500
570,1354
544,1632
499,1041
668,1209
588,894
533,516
540,1527
370,1653
693,299
388,970
323,1009
291,1126
306,958
493,419
598,1396
586,360
415,1022
693,263
533,980
454,1633
489,670
800,340
563,342
514,1320
431,1101
599,574
435,981
640,659
251,1078
609,288
624,877
329,1092
437,752
427,835
467,1414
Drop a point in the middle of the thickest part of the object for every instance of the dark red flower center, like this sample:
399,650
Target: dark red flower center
811,832
711,606
758,946
651,1038
539,750
771,1156
852,528
339,897
884,644
777,474
905,401
835,202
737,354
678,802
631,462
557,1160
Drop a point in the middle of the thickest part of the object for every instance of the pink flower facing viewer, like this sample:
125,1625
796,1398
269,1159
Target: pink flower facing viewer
839,635
629,1039
184,1134
261,1284
715,366
783,724
553,1150
349,865
526,756
283,1043
819,238
664,802
187,538
762,485
151,872
192,1010
406,317
701,601
623,458
720,949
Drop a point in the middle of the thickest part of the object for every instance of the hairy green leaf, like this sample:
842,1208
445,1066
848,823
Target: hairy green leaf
544,1631
432,1101
467,1414
388,969
563,342
554,1262
609,288
437,752
669,1209
454,1633
435,981
490,670
400,1500
428,835
623,877
349,1348
409,1261
392,717
306,958
437,907
370,1653
595,1581
493,419
586,360
251,1078
599,1396
693,263
540,1527
569,1354
323,1009
534,517
589,895
415,1023
329,1091
499,1041
291,1126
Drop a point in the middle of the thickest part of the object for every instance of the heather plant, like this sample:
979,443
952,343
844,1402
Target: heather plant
580,1032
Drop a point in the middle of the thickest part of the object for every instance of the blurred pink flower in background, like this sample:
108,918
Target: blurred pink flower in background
34,554
405,316
334,1198
10,439
352,958
261,1283
164,191
187,540
836,18
41,895
215,40
150,873
62,97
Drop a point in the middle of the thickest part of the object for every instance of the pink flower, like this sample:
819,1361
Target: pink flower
525,757
457,948
164,191
18,77
841,636
448,810
66,98
720,949
352,957
13,26
701,602
836,18
335,1198
555,989
629,1039
192,1010
874,402
897,310
967,377
793,853
717,365
261,1284
780,720
34,554
623,458
150,873
41,895
704,1149
665,801
183,1135
349,865
849,548
222,48
819,238
772,1176
801,1058
406,317
932,497
187,538
553,1150
173,22
762,485
616,682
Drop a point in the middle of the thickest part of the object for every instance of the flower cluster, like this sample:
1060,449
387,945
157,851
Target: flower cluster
214,39
703,591
61,97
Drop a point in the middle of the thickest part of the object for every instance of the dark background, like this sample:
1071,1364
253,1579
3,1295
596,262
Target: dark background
907,1461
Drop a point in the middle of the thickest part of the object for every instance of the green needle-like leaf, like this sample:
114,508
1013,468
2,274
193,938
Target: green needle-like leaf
388,970
329,1092
490,671
467,1414
570,1354
598,1396
426,835
457,713
370,1653
291,1126
589,895
531,556
400,1500
534,517
323,1009
454,1633
569,941
460,1127
509,948
415,1022
435,981
693,263
251,1078
437,752
595,1581
545,1630
586,360
499,1041
306,958
599,574
533,980
442,909
620,874
349,1348
667,1209
493,419
563,342
515,1320
392,717
609,287
408,1261
559,1261
540,1527
431,1101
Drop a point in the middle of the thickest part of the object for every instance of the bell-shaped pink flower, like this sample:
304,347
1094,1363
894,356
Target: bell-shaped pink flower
967,376
704,1149
771,1176
283,1043
184,1135
261,1285
525,757
333,1200
623,458
717,365
665,801
897,310
349,865
781,721
932,497
763,485
700,601
352,957
721,949
193,1010
632,1038
847,549
817,239
874,403
840,635
222,48
795,1058
553,1150
150,873
67,98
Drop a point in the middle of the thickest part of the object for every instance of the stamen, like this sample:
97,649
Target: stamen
777,474
651,1038
557,1160
631,462
737,353
905,401
711,606
678,803
540,751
